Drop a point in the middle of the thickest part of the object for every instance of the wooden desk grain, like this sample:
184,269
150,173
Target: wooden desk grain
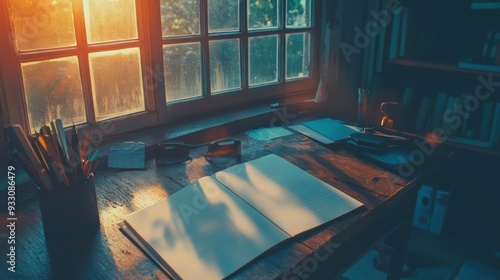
322,251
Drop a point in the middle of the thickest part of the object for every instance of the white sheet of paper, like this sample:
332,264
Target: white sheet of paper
204,231
333,129
268,133
289,196
311,133
326,130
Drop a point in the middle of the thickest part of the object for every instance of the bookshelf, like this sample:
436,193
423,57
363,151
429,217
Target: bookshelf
438,66
404,62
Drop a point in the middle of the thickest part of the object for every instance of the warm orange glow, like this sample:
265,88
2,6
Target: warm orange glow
148,196
42,24
110,20
434,138
113,214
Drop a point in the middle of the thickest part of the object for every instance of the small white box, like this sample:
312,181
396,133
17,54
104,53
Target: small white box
130,155
424,207
439,211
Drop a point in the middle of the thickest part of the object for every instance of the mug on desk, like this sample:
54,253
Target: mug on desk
69,211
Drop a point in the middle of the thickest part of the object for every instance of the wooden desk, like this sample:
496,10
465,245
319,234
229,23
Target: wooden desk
319,253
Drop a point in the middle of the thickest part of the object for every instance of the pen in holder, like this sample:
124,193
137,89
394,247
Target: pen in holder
70,211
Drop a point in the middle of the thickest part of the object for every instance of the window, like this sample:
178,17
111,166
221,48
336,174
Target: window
93,61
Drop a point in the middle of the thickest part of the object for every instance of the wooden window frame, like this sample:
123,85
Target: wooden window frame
151,42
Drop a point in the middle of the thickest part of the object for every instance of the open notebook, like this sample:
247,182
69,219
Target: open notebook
214,226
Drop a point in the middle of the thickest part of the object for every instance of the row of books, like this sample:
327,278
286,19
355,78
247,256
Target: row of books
490,55
463,117
399,31
411,37
390,42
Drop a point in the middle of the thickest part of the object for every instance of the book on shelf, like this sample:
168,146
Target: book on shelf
497,56
495,42
485,5
490,55
404,31
424,114
495,127
395,36
470,116
487,45
470,64
486,120
214,226
466,123
409,99
381,53
439,107
450,116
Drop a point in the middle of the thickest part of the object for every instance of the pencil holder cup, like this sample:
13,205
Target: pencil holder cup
70,211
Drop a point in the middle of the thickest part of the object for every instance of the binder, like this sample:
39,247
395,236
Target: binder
439,211
424,207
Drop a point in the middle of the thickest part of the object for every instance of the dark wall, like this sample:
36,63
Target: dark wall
344,74
476,212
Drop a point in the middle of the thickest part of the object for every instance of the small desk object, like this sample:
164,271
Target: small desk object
377,200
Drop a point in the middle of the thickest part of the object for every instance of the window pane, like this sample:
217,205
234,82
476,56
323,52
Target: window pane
116,83
180,17
110,20
223,15
263,59
298,57
262,14
298,13
42,24
53,91
182,64
225,65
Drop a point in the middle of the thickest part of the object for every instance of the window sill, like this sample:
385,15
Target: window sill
204,129
200,130
193,131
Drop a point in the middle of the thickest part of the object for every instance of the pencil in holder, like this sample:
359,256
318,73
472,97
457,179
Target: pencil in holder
69,212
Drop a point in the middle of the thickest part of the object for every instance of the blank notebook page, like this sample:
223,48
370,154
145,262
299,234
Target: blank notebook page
204,231
289,196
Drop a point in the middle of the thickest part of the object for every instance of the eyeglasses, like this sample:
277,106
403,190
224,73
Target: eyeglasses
172,152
